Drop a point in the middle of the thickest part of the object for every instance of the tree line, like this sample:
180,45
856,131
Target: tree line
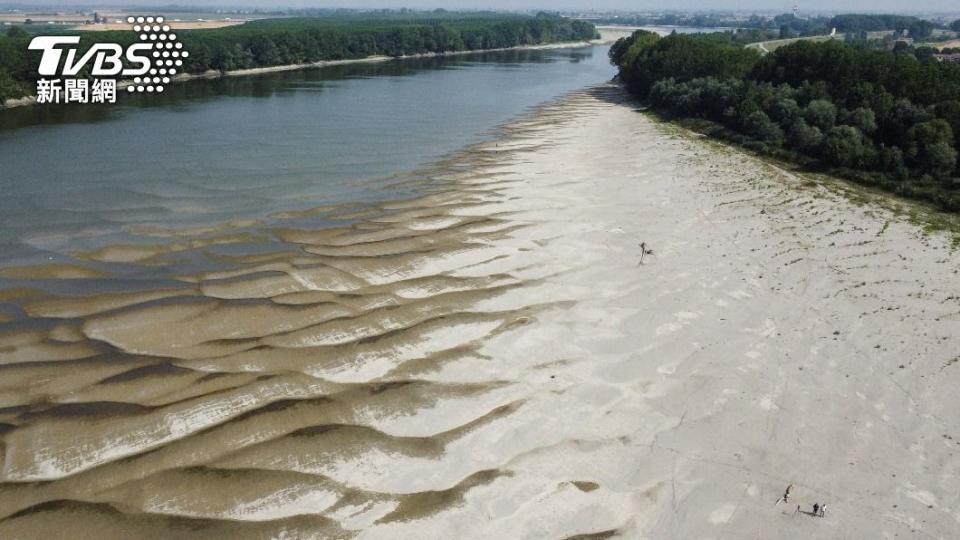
878,117
271,42
788,25
800,26
296,41
785,25
855,23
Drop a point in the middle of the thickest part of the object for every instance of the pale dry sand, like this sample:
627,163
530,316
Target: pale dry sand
491,361
952,44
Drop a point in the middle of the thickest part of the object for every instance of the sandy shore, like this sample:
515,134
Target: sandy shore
491,361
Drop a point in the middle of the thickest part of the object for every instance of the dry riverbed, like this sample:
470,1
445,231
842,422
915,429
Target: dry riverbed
491,360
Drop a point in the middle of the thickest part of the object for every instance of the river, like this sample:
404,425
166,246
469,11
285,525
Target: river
214,151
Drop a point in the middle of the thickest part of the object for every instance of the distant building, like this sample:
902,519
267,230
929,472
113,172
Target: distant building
951,57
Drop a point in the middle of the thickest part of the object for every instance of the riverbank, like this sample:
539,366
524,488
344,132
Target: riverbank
608,35
491,359
378,59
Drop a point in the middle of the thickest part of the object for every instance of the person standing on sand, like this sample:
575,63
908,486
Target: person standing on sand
644,251
823,510
786,496
816,509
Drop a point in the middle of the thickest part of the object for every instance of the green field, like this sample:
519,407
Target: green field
769,46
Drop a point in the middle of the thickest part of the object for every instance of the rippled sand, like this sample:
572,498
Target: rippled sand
490,360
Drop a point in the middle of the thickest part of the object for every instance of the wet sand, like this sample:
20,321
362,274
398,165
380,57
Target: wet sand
490,360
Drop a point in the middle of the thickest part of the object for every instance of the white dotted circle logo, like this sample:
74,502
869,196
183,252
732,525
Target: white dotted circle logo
168,54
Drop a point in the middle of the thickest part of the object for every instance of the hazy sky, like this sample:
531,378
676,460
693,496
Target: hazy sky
766,5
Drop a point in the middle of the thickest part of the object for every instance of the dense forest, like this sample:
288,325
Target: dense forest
883,118
271,42
854,23
294,41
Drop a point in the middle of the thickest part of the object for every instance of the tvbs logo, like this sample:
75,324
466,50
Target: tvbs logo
107,57
145,66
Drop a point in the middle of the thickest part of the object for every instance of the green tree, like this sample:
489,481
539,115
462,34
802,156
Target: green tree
925,53
821,113
759,125
920,29
861,118
786,32
15,32
881,116
785,111
682,57
805,137
949,111
902,47
845,146
892,161
930,148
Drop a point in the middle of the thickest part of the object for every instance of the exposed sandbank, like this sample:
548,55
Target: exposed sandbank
489,360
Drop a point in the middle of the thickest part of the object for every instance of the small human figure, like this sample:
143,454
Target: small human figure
785,498
823,510
644,251
816,509
797,511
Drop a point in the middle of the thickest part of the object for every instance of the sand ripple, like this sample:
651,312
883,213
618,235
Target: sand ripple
295,382
489,360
